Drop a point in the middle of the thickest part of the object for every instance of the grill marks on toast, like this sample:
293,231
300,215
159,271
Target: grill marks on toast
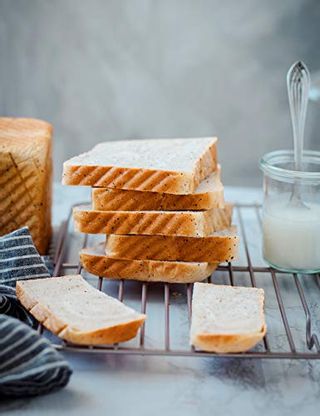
210,195
25,151
115,177
184,223
99,222
145,270
16,203
207,249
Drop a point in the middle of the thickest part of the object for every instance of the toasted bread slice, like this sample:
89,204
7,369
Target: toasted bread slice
226,319
184,223
217,248
73,310
95,261
209,194
175,166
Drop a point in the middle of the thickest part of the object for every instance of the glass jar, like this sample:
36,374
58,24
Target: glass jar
291,229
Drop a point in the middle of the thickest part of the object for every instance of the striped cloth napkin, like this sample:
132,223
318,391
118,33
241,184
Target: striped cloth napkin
29,365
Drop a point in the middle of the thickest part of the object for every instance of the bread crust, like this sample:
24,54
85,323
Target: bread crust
212,249
227,343
183,223
26,176
210,194
106,199
112,335
95,262
172,182
108,335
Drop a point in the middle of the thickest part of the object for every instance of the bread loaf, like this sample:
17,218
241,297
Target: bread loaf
184,223
73,310
174,166
95,261
25,178
226,319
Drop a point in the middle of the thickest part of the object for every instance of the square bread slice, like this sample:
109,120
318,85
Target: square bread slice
209,194
184,223
25,178
175,166
96,262
217,248
226,319
73,310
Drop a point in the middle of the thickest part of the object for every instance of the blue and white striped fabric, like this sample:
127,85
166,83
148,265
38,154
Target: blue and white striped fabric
29,365
19,259
9,305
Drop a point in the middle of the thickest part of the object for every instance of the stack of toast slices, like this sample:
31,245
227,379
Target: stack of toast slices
160,204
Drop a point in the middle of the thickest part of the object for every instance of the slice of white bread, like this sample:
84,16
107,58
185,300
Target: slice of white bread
97,263
175,166
209,194
219,247
184,223
226,319
73,310
25,178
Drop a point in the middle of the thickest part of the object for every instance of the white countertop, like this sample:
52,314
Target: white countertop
136,385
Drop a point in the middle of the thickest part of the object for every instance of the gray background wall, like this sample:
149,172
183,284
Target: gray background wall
100,69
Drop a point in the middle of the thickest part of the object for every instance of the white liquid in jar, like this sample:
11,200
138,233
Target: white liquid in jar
291,235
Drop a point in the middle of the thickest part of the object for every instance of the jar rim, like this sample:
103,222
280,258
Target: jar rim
268,164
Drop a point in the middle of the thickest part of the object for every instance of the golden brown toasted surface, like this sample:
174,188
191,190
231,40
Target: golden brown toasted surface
99,264
25,178
228,343
209,194
174,166
217,248
75,311
14,130
184,223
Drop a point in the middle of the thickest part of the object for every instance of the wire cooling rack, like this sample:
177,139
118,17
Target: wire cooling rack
291,301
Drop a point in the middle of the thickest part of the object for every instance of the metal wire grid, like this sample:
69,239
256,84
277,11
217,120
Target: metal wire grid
312,345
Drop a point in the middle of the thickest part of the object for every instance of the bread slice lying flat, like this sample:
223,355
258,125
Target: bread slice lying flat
175,166
226,319
209,194
73,310
184,223
217,248
99,264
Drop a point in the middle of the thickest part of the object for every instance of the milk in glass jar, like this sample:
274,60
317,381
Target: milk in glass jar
291,229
